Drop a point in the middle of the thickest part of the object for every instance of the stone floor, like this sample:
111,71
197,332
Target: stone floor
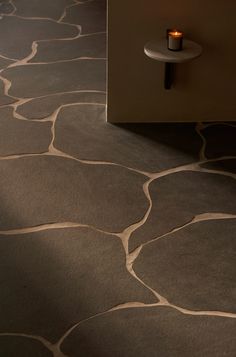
115,241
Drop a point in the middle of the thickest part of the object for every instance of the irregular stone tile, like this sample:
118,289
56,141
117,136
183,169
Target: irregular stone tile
4,99
222,165
177,198
152,332
17,35
6,7
21,136
84,46
220,140
45,189
40,80
43,8
91,16
43,107
52,279
195,267
12,346
83,132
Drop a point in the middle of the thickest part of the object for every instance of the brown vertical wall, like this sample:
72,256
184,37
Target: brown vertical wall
205,89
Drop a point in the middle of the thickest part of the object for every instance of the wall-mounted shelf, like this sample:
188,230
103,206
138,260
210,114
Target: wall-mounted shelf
158,51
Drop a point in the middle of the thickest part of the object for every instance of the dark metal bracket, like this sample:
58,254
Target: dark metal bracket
169,75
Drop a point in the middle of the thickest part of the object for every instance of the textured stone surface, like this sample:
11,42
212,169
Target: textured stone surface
12,346
222,165
54,274
51,189
43,8
17,34
82,131
43,107
53,279
153,332
85,46
177,198
220,140
21,136
91,16
38,80
195,267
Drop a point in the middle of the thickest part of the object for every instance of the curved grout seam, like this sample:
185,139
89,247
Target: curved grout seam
25,63
136,305
53,226
50,117
49,346
14,7
64,13
38,18
199,127
209,216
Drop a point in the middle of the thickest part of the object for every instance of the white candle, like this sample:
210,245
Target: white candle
175,40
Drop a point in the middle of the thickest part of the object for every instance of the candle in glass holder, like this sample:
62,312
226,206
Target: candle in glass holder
175,40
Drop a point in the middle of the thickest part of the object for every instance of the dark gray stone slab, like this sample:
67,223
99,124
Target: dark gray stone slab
177,198
91,16
6,7
44,189
220,140
222,165
40,108
21,136
152,332
53,279
83,132
195,267
41,80
17,34
43,8
85,46
4,99
12,346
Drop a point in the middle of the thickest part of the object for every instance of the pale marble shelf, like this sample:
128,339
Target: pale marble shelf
157,50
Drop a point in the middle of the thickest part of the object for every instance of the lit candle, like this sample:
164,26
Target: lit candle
175,40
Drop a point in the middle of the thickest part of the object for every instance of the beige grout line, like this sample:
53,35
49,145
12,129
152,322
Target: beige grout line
7,85
60,61
8,58
55,348
217,172
29,18
49,118
65,11
196,168
49,346
92,34
53,226
209,216
14,7
136,305
203,313
65,93
198,128
25,60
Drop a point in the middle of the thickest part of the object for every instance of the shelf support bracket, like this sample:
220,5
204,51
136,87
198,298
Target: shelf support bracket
169,75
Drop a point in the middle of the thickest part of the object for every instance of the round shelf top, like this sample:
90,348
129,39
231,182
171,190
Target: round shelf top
158,50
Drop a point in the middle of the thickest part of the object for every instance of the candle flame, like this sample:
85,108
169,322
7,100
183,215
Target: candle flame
175,33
